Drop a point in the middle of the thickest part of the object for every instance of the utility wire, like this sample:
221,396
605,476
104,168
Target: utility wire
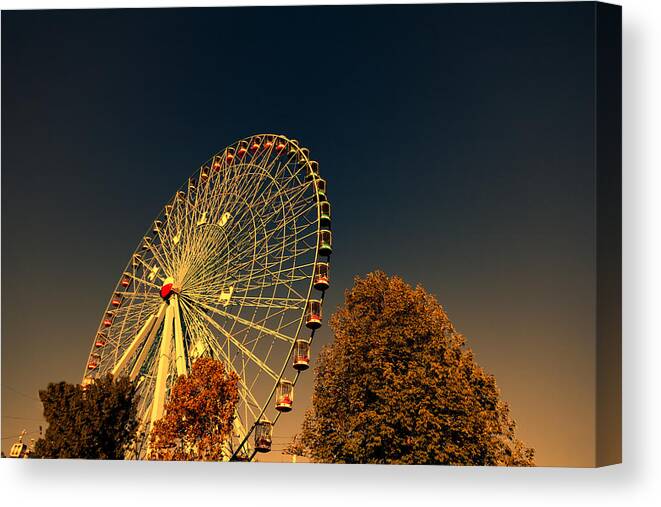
27,433
20,393
22,418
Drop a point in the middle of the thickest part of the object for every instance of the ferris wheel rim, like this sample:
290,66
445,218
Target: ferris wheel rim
162,215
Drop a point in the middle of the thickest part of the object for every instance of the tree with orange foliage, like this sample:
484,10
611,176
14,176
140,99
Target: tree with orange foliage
198,415
399,385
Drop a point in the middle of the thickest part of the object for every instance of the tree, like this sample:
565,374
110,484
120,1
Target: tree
398,385
198,415
95,422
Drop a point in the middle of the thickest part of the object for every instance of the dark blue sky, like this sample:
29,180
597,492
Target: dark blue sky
456,141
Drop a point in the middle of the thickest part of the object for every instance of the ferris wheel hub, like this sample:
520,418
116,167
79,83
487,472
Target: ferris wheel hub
168,288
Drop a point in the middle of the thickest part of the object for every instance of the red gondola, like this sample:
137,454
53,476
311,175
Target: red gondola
243,148
284,396
263,437
93,363
301,355
313,314
321,280
107,322
100,340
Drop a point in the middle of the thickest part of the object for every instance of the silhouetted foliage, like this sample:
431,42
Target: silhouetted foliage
398,385
198,415
96,422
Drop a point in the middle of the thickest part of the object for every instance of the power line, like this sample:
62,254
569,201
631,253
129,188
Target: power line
27,433
22,418
11,436
20,393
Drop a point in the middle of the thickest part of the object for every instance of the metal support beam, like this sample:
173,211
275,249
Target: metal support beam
158,403
130,350
150,339
180,354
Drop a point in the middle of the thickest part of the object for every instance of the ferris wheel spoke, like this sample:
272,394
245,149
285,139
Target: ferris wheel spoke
201,307
266,279
239,433
273,278
238,182
266,263
305,207
239,291
200,338
130,294
263,206
247,399
284,244
244,350
253,180
136,278
264,273
161,262
262,278
267,271
199,272
248,323
267,302
276,250
272,204
147,267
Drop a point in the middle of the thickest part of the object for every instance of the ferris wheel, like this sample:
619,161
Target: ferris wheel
234,267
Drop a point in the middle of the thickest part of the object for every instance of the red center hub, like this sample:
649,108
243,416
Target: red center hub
167,289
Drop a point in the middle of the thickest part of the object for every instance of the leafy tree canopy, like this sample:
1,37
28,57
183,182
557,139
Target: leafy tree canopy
199,415
95,422
398,385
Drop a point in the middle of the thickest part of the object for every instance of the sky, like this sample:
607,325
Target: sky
456,141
